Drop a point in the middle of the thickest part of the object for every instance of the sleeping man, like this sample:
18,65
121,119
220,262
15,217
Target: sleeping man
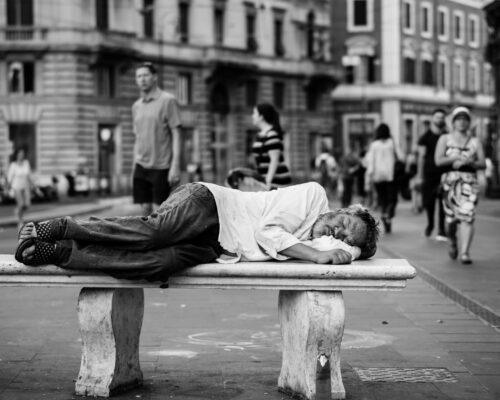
200,223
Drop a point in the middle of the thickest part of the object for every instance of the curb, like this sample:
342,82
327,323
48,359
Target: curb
60,210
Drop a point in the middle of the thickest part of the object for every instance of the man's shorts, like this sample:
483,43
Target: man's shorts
150,185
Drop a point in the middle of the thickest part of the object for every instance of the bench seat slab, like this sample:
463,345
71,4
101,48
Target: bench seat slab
312,326
110,325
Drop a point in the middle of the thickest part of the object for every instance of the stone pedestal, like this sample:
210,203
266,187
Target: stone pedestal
110,325
312,326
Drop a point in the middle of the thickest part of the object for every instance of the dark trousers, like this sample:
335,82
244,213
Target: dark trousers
387,198
347,193
430,194
183,232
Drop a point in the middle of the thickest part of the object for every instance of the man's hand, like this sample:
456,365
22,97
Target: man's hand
301,251
174,175
337,256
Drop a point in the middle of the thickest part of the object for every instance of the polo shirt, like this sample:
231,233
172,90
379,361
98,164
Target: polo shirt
154,116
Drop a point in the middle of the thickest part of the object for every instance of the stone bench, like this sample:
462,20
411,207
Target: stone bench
310,307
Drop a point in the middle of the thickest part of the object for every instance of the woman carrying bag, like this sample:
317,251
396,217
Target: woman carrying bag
382,162
464,155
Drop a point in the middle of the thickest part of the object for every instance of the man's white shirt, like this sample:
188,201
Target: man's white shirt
257,226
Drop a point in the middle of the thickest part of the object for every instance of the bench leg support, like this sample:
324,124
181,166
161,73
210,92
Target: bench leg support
312,325
110,325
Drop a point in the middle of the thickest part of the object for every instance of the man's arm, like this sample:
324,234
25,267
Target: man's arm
175,169
173,115
301,251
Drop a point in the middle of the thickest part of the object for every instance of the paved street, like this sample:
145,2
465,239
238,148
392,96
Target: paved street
436,339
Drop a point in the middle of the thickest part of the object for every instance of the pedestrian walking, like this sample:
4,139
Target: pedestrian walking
415,186
199,223
327,167
268,148
19,184
463,154
382,157
349,170
156,125
429,174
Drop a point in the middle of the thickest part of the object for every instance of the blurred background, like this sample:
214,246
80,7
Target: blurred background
334,69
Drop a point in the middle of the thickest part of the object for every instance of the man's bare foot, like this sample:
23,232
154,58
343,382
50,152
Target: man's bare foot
34,252
27,231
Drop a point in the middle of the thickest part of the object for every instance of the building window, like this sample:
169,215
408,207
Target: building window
102,14
427,72
219,12
459,75
474,30
443,74
251,25
21,77
251,92
458,27
184,89
148,18
443,23
473,77
427,20
313,95
19,20
359,15
19,13
279,94
310,34
409,17
105,81
409,75
488,79
184,21
279,46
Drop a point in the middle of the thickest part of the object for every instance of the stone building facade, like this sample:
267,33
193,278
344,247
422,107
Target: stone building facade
67,79
404,58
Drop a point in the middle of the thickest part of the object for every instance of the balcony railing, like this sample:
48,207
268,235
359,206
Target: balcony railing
23,33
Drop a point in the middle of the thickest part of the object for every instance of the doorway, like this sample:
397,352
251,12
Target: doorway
23,135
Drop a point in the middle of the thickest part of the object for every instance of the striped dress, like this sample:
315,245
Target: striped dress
260,150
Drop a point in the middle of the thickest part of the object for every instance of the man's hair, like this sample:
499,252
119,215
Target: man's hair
372,228
147,65
439,110
236,175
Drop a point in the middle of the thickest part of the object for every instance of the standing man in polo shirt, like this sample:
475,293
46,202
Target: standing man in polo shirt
156,125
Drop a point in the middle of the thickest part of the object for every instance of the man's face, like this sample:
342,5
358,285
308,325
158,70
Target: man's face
438,119
145,79
348,228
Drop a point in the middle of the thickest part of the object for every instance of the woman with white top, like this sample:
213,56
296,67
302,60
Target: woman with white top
380,160
19,181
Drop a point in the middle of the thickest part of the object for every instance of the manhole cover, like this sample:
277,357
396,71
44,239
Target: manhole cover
405,375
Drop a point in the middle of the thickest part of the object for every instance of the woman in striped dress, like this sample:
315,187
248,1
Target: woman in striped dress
267,148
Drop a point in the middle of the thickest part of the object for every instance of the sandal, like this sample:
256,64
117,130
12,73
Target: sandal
465,259
45,253
46,231
21,247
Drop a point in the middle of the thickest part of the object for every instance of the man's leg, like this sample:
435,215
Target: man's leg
429,200
187,214
441,215
153,265
142,191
